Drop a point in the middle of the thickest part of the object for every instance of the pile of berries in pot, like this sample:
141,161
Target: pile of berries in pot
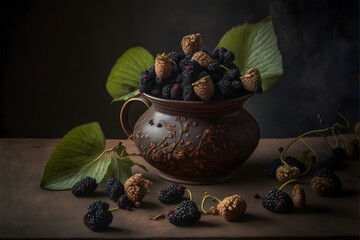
197,75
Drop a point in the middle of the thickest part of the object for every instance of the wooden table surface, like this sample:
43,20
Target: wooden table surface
27,211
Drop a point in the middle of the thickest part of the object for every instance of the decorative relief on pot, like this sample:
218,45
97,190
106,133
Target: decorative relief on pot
212,150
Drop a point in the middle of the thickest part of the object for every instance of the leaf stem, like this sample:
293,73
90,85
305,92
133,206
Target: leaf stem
313,152
301,136
190,194
113,209
207,195
290,181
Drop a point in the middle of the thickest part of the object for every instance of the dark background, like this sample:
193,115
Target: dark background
56,55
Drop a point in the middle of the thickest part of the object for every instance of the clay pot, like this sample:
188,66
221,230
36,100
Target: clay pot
193,142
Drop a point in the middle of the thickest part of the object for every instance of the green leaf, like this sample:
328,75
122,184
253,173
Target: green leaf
124,78
79,154
120,170
255,45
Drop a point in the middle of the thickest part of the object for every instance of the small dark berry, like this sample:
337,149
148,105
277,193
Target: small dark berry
84,187
114,189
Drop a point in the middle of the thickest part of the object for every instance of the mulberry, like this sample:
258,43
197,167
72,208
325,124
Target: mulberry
286,173
228,57
226,89
204,88
189,93
162,66
136,187
202,58
291,161
232,207
175,57
191,43
84,187
213,67
125,203
277,201
98,217
252,80
156,91
176,92
172,194
325,182
185,62
166,91
335,161
298,196
114,189
186,213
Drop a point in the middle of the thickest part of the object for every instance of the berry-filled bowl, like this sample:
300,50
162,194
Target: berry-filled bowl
195,130
193,142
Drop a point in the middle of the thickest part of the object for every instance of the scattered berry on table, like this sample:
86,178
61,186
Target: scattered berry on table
325,182
232,207
84,187
277,201
186,213
125,203
298,196
172,194
114,189
98,217
136,187
291,161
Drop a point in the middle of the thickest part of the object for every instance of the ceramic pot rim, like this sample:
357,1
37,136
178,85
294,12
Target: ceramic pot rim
197,108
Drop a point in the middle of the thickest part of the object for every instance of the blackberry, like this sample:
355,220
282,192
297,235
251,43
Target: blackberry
84,187
156,91
174,73
114,189
161,81
172,194
237,86
178,78
291,161
216,77
234,74
175,57
187,78
277,201
215,53
335,161
228,57
98,217
189,93
226,89
186,213
213,67
147,80
185,62
325,182
125,203
176,92
166,91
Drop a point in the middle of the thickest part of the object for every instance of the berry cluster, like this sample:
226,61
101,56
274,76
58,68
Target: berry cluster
186,213
198,75
98,215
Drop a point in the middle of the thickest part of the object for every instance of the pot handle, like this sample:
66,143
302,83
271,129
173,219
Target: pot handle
124,113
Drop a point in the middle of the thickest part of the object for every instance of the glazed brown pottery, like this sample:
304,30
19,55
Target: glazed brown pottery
193,142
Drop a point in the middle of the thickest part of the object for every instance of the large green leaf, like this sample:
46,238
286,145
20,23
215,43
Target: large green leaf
124,78
78,155
255,45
